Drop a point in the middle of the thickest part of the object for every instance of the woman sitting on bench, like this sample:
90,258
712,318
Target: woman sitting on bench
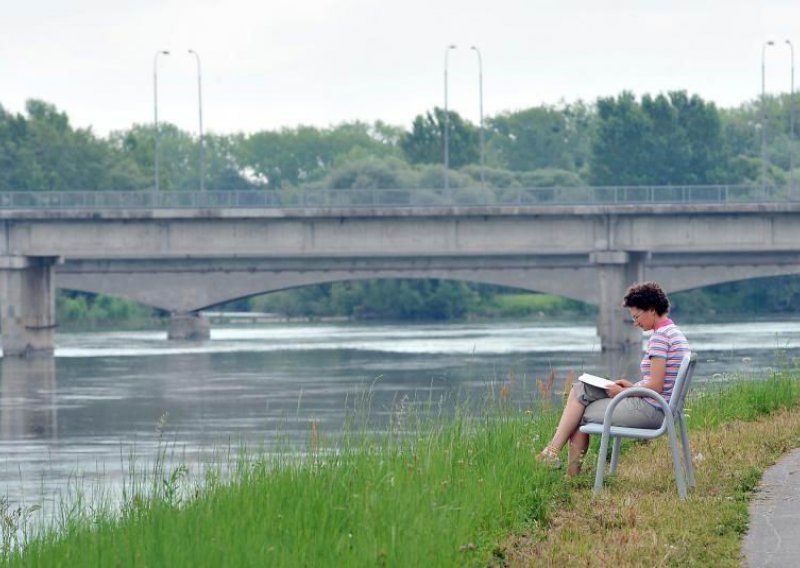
649,309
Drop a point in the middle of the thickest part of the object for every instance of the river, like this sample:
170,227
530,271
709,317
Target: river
110,398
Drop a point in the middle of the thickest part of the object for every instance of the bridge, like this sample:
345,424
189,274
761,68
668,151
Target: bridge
184,258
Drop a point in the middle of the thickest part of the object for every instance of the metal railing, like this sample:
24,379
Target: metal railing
367,198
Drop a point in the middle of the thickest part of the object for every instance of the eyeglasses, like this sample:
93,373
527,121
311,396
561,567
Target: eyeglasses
635,317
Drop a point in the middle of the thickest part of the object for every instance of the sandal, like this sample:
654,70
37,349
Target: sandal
549,457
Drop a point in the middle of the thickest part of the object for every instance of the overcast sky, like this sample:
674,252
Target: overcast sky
273,63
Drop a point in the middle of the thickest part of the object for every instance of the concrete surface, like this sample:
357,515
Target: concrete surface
774,535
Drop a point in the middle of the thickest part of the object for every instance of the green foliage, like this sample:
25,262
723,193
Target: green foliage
526,305
79,309
551,177
425,143
541,137
294,156
374,299
179,159
774,295
669,139
372,173
42,152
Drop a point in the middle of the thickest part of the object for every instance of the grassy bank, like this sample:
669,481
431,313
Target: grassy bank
444,493
736,432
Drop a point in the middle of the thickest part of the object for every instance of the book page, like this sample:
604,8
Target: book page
595,381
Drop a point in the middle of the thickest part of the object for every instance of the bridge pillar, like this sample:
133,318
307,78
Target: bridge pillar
620,341
27,305
188,326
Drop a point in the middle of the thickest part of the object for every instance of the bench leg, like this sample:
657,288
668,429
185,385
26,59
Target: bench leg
687,451
615,454
601,465
676,457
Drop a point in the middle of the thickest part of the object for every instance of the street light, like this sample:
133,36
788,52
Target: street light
764,116
446,125
155,108
791,119
480,98
200,110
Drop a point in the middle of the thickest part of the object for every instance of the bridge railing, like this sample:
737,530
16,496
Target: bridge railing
359,198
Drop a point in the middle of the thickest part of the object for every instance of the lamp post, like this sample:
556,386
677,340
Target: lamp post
480,99
200,111
764,116
155,109
791,120
446,126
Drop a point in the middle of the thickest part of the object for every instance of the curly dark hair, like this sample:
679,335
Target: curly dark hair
646,296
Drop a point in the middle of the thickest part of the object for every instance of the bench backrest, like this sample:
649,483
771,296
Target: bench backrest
682,383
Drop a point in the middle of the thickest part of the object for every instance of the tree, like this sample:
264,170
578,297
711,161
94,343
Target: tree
42,152
294,156
425,143
672,139
540,137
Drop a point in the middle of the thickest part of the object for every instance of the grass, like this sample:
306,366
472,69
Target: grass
736,431
517,305
449,492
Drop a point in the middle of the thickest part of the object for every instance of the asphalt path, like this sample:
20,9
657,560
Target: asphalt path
773,538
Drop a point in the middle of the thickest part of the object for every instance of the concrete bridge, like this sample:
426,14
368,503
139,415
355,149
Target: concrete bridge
184,259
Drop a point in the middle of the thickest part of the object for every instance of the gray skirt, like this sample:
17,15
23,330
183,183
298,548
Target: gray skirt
632,412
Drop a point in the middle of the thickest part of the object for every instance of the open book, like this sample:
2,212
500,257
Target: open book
595,381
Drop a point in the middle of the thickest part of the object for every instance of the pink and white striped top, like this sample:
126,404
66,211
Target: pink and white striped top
667,342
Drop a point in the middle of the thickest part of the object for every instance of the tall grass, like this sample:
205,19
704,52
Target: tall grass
725,400
445,494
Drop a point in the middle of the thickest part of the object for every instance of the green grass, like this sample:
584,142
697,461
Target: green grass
447,494
521,305
736,429
454,491
726,401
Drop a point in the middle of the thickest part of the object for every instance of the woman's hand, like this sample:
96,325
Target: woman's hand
618,387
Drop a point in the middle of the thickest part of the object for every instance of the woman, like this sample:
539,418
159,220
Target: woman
649,308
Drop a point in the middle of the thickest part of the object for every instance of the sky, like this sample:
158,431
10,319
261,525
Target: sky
271,64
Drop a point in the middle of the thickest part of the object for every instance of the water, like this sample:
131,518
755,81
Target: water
84,413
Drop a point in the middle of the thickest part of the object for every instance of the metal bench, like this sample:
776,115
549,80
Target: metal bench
673,414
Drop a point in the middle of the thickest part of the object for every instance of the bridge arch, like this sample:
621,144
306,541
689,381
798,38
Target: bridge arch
184,292
682,278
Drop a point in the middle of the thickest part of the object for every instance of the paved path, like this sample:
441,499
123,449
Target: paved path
774,535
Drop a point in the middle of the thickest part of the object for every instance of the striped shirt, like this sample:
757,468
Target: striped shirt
667,342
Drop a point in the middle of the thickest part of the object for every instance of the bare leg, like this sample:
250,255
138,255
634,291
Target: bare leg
568,425
578,444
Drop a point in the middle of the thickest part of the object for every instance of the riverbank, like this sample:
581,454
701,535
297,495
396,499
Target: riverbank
444,491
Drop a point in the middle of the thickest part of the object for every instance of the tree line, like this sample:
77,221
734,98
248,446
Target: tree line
666,139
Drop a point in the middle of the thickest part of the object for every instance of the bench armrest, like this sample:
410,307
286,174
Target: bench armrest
633,391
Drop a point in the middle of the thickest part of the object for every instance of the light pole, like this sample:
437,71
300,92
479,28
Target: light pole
764,116
155,109
791,120
446,126
200,111
480,99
